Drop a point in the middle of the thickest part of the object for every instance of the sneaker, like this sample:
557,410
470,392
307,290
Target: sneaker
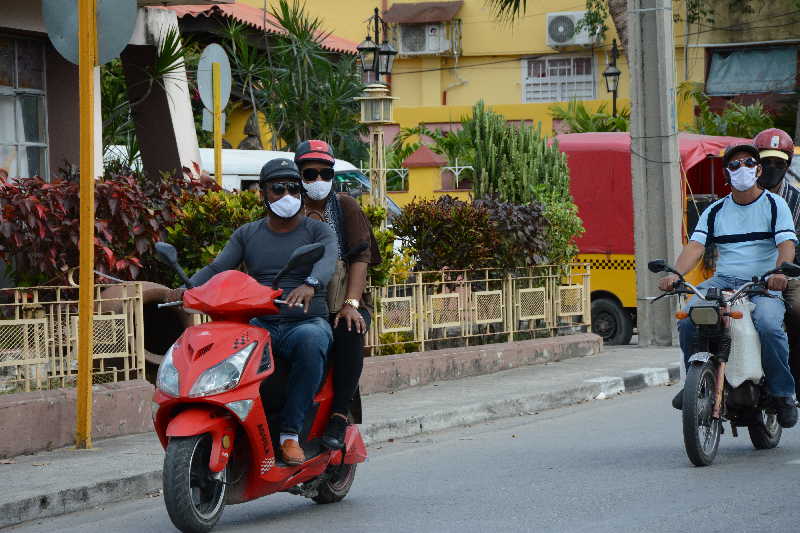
786,408
333,438
677,401
292,453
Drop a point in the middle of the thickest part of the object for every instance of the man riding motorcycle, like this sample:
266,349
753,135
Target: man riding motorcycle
301,333
748,233
776,150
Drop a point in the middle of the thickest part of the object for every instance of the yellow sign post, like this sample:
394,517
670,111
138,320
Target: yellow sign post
217,85
87,51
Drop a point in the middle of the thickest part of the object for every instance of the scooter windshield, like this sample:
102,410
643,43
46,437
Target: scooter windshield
232,294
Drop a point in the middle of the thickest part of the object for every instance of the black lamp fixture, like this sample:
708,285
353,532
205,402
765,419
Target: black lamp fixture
611,75
376,59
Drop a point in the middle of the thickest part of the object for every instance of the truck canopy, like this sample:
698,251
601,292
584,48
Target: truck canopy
600,182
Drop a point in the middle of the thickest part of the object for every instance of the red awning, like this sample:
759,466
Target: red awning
256,18
422,12
600,182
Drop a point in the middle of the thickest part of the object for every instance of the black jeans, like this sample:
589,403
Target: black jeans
347,359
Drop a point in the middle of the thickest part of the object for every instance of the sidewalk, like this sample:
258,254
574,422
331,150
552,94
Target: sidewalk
64,481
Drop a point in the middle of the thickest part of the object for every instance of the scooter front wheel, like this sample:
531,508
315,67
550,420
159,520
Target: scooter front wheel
701,431
194,496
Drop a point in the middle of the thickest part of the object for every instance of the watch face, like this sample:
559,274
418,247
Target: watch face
314,282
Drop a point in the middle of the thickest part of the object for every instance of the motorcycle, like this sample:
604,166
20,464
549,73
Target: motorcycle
708,397
217,399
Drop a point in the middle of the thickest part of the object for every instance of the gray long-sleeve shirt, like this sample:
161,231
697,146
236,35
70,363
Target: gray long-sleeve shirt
264,252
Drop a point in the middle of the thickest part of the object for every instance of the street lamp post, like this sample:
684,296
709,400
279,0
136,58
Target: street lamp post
611,75
376,104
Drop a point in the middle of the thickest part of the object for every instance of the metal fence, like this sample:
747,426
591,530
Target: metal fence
432,310
39,332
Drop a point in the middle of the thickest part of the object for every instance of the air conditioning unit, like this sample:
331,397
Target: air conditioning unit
561,30
423,39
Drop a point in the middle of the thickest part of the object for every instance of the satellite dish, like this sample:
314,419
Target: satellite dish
213,53
115,23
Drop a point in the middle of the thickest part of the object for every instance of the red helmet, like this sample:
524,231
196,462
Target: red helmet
774,143
314,150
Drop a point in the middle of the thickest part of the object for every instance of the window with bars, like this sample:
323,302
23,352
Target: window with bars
23,114
558,79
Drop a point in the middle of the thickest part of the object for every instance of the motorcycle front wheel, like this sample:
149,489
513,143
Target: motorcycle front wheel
701,431
194,498
767,434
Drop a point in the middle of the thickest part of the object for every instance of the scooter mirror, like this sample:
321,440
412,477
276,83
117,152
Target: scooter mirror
657,266
790,269
303,256
167,253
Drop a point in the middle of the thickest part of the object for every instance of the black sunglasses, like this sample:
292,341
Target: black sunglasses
311,174
736,164
280,187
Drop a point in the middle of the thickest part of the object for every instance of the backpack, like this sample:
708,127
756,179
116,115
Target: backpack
710,255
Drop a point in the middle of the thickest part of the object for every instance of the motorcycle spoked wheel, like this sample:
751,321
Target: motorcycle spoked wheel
194,499
767,434
701,432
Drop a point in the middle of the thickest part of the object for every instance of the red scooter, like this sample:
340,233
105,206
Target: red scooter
218,394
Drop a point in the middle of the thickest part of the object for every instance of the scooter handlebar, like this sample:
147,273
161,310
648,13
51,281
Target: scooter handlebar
170,304
284,302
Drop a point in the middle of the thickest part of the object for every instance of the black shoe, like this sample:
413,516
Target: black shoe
677,401
333,438
786,408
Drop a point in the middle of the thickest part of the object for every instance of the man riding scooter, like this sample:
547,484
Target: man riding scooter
300,334
747,233
776,150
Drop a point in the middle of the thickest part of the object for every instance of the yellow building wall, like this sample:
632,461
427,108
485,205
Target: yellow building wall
424,183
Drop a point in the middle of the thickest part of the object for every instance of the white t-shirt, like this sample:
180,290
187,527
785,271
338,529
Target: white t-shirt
744,235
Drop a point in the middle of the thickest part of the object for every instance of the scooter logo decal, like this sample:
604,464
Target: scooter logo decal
242,341
264,440
267,464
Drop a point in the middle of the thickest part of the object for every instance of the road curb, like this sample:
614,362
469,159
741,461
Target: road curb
138,486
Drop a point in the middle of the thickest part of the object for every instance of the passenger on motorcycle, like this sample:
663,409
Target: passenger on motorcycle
301,334
746,234
350,314
776,149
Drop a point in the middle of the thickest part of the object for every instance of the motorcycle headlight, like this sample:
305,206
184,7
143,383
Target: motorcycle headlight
168,380
704,316
223,376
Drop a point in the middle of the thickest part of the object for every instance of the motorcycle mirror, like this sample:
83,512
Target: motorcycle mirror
304,256
790,269
657,266
167,253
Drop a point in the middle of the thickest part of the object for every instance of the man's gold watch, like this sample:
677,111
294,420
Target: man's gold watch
352,302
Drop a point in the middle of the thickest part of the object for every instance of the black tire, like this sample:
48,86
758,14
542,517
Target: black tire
335,488
767,434
194,500
701,432
610,321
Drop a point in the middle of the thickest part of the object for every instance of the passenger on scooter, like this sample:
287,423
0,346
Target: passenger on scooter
746,234
777,149
350,315
300,335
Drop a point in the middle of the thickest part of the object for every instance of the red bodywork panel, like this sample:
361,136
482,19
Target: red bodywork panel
600,182
198,421
232,295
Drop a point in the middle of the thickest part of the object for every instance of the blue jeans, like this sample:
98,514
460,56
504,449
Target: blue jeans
768,320
304,344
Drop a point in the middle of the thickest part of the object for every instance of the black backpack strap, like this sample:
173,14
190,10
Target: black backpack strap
710,255
774,209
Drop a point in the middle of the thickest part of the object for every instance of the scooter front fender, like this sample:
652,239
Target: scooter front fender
198,421
700,358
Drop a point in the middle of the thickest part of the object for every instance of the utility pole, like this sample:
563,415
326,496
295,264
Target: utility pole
654,160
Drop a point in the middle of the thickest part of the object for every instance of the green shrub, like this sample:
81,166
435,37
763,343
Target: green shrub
581,120
735,120
521,232
206,224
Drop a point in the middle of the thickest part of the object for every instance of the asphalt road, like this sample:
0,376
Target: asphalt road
616,465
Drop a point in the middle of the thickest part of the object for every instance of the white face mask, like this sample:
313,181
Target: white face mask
318,190
743,178
286,207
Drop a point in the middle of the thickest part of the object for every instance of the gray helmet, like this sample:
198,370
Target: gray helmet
278,168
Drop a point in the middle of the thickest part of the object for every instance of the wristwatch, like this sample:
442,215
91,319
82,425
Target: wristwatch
312,282
352,302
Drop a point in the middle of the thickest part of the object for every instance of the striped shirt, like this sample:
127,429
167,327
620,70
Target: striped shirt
791,194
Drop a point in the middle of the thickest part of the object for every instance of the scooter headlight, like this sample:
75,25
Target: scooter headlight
704,316
223,376
168,380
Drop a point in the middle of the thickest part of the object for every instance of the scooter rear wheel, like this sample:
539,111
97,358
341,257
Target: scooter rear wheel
767,434
336,487
194,499
701,431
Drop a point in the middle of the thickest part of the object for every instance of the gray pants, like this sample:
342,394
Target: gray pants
792,297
